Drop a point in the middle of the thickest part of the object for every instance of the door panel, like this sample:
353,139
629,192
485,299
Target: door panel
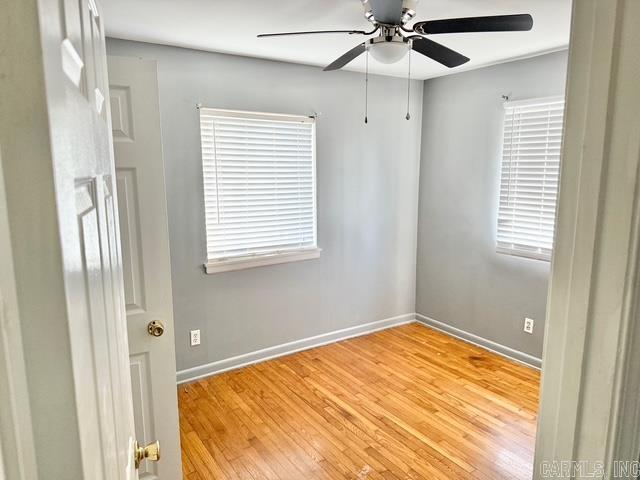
121,115
131,241
133,88
90,358
142,409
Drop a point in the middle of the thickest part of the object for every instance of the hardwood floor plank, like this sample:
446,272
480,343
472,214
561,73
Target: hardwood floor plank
407,403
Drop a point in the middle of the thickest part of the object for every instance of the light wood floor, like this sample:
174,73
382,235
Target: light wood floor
404,403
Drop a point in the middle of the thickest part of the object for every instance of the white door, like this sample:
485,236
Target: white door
60,192
83,172
133,87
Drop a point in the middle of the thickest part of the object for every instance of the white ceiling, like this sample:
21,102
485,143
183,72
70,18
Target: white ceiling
231,26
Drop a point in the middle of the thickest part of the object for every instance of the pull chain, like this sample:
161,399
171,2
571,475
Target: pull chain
408,117
366,88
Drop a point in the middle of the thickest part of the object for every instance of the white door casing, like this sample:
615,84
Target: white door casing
591,370
59,179
135,114
16,442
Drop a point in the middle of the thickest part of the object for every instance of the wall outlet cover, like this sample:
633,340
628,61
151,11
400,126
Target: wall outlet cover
195,337
528,325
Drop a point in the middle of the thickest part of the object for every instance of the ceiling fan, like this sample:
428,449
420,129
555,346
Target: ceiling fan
389,19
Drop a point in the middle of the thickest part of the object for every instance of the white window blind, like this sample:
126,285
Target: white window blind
529,176
259,188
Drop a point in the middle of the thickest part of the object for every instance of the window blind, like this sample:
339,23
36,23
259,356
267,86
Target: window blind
259,183
529,178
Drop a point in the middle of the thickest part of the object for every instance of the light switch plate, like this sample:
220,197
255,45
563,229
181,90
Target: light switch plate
195,337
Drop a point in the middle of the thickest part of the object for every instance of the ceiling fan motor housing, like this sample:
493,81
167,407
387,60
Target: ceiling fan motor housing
406,10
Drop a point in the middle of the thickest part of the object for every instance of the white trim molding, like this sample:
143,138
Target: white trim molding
262,355
276,117
16,431
232,363
587,402
502,350
240,263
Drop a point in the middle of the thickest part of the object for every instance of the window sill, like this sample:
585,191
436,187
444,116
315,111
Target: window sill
524,254
241,263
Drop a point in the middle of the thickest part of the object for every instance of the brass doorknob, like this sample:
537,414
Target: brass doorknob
155,328
151,452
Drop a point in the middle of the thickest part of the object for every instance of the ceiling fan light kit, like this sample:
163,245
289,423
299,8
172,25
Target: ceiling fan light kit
389,50
389,19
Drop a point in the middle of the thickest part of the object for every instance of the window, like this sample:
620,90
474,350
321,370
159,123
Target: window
529,177
259,188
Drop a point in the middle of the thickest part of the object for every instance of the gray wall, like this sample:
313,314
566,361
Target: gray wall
367,202
461,280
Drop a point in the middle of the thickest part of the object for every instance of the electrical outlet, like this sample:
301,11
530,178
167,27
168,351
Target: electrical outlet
195,337
528,325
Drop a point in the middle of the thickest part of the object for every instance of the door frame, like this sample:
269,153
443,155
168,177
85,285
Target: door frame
592,317
16,441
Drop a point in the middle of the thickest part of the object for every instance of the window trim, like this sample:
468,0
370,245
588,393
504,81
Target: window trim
516,251
282,117
253,260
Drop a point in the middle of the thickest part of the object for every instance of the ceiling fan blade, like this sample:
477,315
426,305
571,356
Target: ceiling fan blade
282,34
496,23
346,58
439,53
387,11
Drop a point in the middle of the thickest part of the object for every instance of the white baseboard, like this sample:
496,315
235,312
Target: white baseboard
201,371
232,363
494,347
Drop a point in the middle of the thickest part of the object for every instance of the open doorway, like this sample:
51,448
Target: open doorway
469,261
402,400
